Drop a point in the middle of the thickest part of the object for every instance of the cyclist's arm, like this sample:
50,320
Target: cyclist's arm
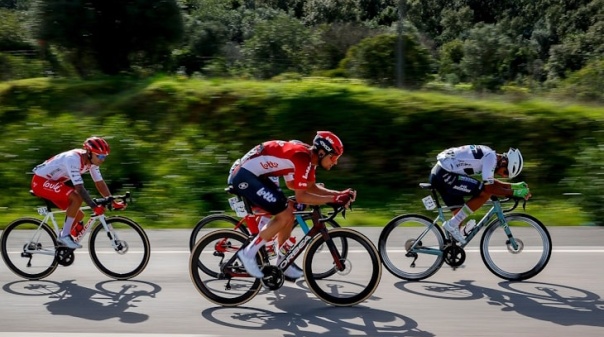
499,188
312,195
85,195
102,187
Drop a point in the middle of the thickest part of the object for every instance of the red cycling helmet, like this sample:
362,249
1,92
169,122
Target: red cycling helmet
328,142
97,145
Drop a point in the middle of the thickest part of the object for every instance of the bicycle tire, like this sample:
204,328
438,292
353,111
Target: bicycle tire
335,290
134,244
216,218
398,235
341,243
42,260
214,247
526,229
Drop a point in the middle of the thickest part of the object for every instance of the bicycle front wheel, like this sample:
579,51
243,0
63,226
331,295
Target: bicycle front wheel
520,254
214,221
351,285
125,253
210,256
411,247
28,248
341,244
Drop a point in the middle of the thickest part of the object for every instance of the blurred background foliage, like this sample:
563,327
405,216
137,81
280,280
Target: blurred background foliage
176,86
173,139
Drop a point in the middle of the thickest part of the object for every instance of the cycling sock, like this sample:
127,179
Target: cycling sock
463,213
67,226
251,249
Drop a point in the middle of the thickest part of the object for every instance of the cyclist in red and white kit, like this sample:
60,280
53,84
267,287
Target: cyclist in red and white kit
451,176
51,181
296,162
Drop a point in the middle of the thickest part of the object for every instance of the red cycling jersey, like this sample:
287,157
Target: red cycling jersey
290,159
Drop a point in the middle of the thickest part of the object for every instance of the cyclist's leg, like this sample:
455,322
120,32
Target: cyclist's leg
266,195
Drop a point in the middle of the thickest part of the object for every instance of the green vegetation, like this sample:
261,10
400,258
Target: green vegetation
173,140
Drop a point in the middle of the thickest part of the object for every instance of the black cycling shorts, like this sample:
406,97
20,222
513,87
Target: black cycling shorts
453,187
260,191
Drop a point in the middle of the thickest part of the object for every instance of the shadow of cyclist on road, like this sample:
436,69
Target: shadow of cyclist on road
109,299
314,318
555,303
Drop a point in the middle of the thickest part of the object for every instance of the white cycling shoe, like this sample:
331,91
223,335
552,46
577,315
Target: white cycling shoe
455,232
68,242
250,265
293,272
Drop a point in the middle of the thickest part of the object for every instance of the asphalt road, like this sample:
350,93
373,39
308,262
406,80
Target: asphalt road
564,300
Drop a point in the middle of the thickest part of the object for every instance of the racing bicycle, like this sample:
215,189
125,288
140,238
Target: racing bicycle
118,246
514,246
219,276
248,225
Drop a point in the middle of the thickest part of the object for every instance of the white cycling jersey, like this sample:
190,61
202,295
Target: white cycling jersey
68,165
469,160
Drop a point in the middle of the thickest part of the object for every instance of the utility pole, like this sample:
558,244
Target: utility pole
399,47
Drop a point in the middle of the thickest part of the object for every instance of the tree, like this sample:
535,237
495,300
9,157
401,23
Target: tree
282,44
374,59
110,33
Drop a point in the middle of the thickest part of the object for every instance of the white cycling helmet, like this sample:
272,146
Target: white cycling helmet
515,162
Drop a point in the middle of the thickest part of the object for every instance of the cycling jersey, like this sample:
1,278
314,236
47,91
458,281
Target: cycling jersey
469,160
290,159
66,166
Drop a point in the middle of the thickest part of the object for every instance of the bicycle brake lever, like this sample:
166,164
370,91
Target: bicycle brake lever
524,204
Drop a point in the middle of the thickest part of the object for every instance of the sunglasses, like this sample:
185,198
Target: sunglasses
102,156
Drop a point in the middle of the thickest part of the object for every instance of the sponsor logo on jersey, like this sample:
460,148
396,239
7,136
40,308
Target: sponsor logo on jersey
269,165
56,187
266,195
305,176
463,188
243,186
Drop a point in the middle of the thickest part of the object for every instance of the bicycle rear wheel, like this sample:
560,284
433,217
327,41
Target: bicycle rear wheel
405,259
214,221
356,282
216,249
129,258
28,248
529,258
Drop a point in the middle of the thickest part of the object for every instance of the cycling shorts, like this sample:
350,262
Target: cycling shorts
453,187
56,191
260,191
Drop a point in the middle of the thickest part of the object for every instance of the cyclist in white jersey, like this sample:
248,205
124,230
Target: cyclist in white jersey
452,177
59,179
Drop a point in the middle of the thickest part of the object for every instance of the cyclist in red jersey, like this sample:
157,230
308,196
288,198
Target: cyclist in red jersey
296,162
51,181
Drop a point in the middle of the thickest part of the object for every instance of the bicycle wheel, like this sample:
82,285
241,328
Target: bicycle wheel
340,243
214,221
533,241
401,257
130,257
28,248
215,249
358,280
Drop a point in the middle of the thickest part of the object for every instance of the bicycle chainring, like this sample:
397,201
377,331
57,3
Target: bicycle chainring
273,277
65,256
454,255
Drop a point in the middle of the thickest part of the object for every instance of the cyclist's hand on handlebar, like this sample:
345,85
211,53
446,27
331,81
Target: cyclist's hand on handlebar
345,198
521,190
99,210
118,204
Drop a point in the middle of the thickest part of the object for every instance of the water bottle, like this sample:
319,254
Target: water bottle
287,245
84,230
77,228
469,227
270,249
